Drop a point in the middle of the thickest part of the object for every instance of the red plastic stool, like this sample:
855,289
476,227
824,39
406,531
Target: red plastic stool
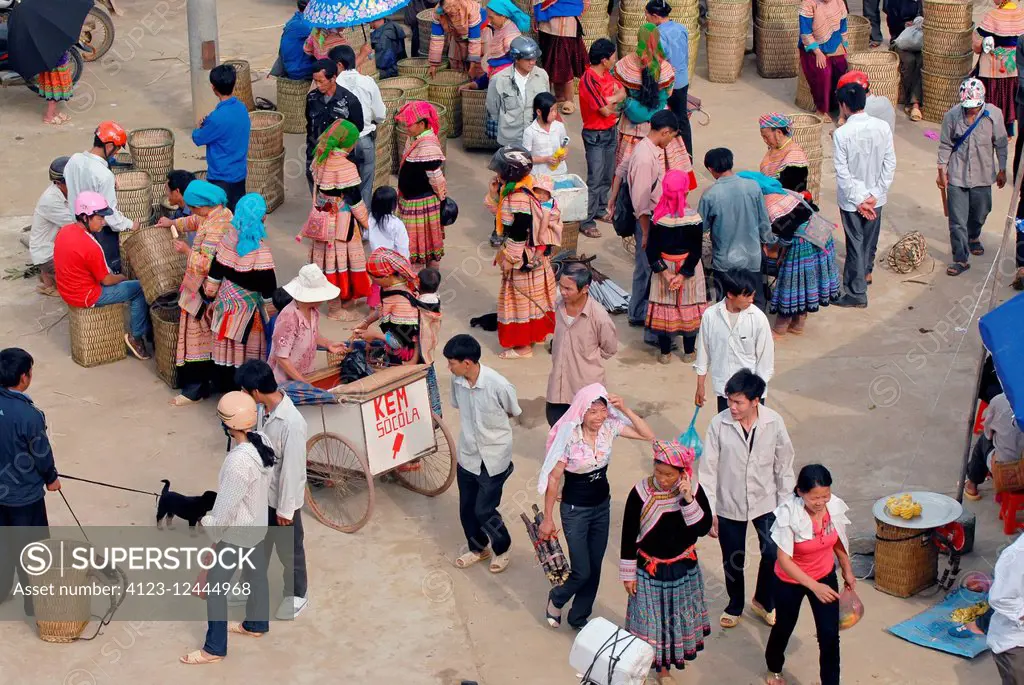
1009,504
978,424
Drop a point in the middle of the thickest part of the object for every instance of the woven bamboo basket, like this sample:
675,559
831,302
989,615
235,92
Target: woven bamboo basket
940,93
369,68
291,102
412,87
626,47
62,614
814,173
734,29
858,33
474,121
595,28
570,238
943,42
385,154
728,10
152,150
393,99
266,134
947,65
948,15
777,52
97,333
126,263
123,161
778,15
134,190
725,56
266,177
425,19
804,99
417,66
631,20
906,560
632,6
164,315
806,130
157,266
883,70
243,82
444,89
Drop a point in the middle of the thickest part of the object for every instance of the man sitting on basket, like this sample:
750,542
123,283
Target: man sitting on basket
297,336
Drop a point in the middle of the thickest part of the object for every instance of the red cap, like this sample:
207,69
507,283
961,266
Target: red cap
858,77
111,132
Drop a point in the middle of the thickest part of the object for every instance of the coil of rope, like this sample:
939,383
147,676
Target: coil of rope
908,253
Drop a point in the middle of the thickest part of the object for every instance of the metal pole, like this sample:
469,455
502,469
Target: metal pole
202,54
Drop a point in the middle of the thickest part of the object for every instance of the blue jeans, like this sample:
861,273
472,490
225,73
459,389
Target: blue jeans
367,167
130,292
586,534
257,608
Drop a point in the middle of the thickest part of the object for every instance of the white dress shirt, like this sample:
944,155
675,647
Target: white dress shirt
368,93
865,161
1006,597
86,171
879,107
723,348
287,432
485,433
51,214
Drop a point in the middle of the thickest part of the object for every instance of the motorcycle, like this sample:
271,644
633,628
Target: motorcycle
12,78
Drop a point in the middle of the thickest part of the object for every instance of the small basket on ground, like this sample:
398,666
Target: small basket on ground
266,134
474,121
165,315
939,92
243,82
291,102
97,334
906,560
444,90
858,33
883,70
777,51
134,190
266,177
948,15
725,55
157,266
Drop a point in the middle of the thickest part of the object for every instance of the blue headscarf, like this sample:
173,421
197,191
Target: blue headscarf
506,9
204,194
769,185
248,221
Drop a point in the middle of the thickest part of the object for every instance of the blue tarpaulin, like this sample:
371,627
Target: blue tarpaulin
1002,332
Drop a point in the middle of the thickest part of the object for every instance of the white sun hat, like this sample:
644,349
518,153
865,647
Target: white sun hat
311,286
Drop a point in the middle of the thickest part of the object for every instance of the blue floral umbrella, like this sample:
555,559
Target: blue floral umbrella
334,14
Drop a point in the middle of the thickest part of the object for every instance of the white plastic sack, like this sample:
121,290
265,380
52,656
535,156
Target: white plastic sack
912,37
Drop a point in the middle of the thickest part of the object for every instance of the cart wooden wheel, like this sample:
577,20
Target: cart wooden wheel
433,474
339,485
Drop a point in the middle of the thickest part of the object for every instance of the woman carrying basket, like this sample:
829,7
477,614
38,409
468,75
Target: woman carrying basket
421,183
337,245
823,49
579,448
210,221
666,513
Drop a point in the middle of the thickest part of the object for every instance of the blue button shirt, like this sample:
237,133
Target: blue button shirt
298,66
225,133
675,41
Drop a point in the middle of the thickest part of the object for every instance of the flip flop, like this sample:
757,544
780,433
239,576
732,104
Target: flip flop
591,232
199,658
511,353
727,620
236,628
470,558
767,616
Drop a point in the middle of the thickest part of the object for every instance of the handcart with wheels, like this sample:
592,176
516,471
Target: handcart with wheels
381,424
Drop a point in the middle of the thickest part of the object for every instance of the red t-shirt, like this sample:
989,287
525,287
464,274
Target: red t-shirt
815,557
594,93
78,265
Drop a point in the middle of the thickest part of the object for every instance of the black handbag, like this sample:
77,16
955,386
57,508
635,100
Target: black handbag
449,212
355,366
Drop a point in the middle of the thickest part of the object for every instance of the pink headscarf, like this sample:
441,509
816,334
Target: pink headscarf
674,188
419,110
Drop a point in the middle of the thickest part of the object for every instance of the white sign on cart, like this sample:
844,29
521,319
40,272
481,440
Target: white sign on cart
398,426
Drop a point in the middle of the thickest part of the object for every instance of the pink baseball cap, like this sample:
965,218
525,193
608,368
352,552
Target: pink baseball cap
89,203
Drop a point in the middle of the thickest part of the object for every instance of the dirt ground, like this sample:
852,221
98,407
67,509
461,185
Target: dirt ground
879,395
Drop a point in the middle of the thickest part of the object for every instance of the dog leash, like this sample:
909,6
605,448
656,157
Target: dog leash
109,485
74,516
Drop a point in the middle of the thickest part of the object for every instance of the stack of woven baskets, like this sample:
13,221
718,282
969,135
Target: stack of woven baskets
687,13
806,130
291,102
858,34
393,98
727,25
443,89
594,21
412,88
883,70
152,151
243,82
631,18
265,173
134,190
948,29
777,38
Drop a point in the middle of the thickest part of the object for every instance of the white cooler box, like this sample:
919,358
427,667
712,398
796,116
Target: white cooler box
601,642
571,201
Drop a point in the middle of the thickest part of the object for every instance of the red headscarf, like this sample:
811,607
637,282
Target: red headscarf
674,188
384,262
419,110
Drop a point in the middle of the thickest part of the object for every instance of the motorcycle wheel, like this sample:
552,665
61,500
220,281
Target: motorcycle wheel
97,35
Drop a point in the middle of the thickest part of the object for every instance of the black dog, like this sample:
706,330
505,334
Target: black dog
192,509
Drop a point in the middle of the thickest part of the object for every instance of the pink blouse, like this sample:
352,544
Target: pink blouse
294,339
579,457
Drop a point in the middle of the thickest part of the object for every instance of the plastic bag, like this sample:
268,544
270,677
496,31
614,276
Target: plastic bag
912,38
691,438
851,609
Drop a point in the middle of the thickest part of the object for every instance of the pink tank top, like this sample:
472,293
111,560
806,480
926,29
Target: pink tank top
815,556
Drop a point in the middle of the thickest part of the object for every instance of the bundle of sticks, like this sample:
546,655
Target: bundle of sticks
614,299
549,552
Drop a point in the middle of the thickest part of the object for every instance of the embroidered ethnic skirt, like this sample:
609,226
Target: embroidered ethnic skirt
679,311
57,84
669,612
563,57
526,305
195,341
344,264
808,279
422,218
228,352
1002,92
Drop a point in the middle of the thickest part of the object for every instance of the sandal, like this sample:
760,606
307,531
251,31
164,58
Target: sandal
767,616
511,353
500,563
976,248
568,107
956,268
181,401
554,620
875,44
973,496
591,232
199,658
47,290
235,627
727,620
58,120
915,113
774,679
470,558
666,679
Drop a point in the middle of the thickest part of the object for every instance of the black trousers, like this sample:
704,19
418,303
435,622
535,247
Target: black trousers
554,411
234,191
20,526
294,558
1018,146
479,499
586,535
977,467
677,103
788,598
665,343
732,537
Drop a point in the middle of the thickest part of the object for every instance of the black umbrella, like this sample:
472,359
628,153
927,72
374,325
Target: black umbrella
41,31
